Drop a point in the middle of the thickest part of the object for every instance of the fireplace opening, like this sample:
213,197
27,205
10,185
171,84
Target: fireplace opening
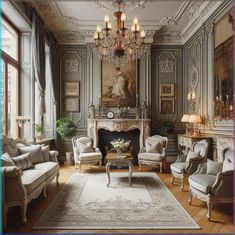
105,137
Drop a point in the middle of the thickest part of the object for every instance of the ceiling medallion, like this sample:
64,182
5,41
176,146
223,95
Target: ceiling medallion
120,44
124,5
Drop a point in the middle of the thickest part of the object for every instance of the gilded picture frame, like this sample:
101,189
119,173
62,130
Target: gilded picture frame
71,88
167,106
167,89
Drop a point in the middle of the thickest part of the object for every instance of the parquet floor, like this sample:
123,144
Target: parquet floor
222,216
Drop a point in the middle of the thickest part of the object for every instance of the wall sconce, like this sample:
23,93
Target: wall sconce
191,97
21,120
195,119
185,119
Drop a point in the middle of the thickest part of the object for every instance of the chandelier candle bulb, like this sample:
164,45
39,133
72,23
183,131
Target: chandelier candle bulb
135,21
142,34
98,29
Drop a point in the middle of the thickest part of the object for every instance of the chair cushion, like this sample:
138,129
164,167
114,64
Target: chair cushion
23,161
201,147
48,168
32,178
152,147
192,154
6,160
157,157
178,167
202,182
213,167
228,160
45,153
85,145
90,156
35,152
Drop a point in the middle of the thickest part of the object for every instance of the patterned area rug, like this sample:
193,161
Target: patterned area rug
87,203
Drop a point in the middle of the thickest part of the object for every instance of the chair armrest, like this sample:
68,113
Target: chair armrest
53,156
181,158
202,168
143,150
223,186
193,164
11,171
13,189
97,150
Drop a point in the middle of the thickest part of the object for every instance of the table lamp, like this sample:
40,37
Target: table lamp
195,119
185,119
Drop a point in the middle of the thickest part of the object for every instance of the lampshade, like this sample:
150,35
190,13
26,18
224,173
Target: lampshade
195,119
185,118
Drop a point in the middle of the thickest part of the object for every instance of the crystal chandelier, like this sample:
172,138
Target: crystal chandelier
120,44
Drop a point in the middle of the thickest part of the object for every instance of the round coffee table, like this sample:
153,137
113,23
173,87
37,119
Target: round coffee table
119,160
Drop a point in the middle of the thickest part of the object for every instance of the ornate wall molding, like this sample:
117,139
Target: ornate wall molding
71,65
166,66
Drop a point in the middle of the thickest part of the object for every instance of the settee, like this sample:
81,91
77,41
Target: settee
27,170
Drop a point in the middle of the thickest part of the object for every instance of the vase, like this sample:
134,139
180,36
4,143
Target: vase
119,151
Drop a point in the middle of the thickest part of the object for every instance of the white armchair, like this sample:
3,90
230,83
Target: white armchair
187,164
154,152
84,153
213,181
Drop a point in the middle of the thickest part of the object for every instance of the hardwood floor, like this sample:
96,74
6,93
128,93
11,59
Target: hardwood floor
222,214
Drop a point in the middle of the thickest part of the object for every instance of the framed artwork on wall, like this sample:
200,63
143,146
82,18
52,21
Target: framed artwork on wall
167,89
72,104
71,88
167,106
119,85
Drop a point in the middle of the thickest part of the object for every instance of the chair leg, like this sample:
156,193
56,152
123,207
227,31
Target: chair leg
57,179
190,197
100,164
23,212
182,184
161,167
172,180
209,208
139,166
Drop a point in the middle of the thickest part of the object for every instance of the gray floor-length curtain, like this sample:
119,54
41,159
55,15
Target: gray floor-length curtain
54,62
38,53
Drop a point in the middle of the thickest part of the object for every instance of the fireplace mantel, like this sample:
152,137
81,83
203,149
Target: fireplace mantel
94,125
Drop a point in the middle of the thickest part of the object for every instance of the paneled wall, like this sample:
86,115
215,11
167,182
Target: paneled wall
198,73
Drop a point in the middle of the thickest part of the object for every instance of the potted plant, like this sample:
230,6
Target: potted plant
39,128
165,127
67,128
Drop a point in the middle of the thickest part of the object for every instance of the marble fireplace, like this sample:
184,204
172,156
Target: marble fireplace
122,126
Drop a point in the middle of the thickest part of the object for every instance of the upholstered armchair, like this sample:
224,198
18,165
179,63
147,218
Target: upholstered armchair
84,153
213,181
187,164
154,152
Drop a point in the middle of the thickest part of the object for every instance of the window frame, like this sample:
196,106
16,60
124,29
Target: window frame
9,60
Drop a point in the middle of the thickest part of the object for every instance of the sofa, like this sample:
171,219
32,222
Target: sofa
26,170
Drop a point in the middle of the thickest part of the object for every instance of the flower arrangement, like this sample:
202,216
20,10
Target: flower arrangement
120,143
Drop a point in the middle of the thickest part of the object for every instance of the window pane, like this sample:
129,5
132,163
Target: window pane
12,101
3,98
9,40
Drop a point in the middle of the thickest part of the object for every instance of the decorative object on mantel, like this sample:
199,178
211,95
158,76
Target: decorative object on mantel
144,110
91,111
21,121
195,119
120,44
185,119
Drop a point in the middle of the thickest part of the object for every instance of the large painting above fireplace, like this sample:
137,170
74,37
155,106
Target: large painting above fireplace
119,85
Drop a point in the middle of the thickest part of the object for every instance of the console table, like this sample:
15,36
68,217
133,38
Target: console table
185,141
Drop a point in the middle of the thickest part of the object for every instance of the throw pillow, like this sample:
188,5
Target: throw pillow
6,160
86,147
45,153
192,154
35,153
23,161
213,167
152,148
